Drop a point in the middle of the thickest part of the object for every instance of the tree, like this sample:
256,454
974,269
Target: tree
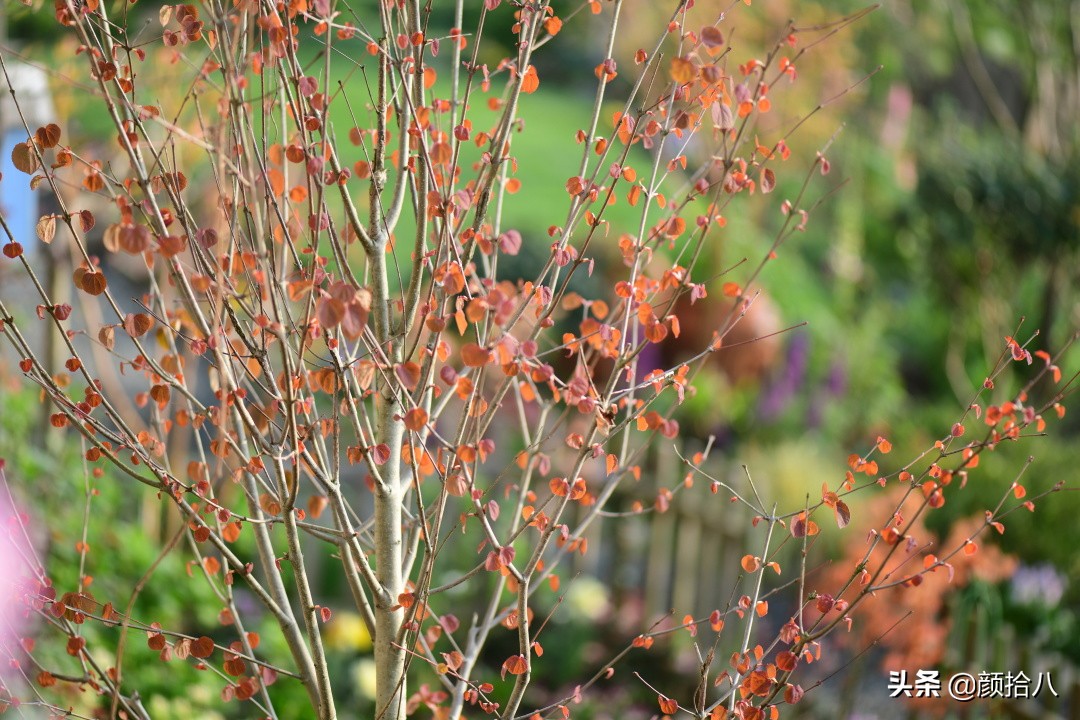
331,295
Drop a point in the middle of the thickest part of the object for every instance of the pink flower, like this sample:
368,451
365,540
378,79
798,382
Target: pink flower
15,554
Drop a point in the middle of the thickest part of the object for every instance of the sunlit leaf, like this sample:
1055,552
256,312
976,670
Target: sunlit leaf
46,228
24,158
529,81
683,70
667,705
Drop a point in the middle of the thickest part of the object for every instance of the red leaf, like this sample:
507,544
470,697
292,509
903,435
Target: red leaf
308,85
380,453
137,325
515,665
667,705
506,554
843,513
356,314
202,648
768,180
712,37
48,136
92,283
801,526
408,373
510,242
329,311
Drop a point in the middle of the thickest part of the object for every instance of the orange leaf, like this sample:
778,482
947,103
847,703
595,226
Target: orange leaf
656,332
559,487
786,660
682,70
276,180
475,356
416,418
231,532
515,665
93,283
674,227
667,705
529,81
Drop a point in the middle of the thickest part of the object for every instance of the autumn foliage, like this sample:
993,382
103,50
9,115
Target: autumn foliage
338,348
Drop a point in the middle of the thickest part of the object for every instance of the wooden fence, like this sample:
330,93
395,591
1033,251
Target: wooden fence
687,559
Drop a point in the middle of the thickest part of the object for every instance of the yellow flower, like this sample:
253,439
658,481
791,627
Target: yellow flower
363,673
347,631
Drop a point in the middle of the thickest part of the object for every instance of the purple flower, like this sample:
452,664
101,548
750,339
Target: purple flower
787,384
1037,585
